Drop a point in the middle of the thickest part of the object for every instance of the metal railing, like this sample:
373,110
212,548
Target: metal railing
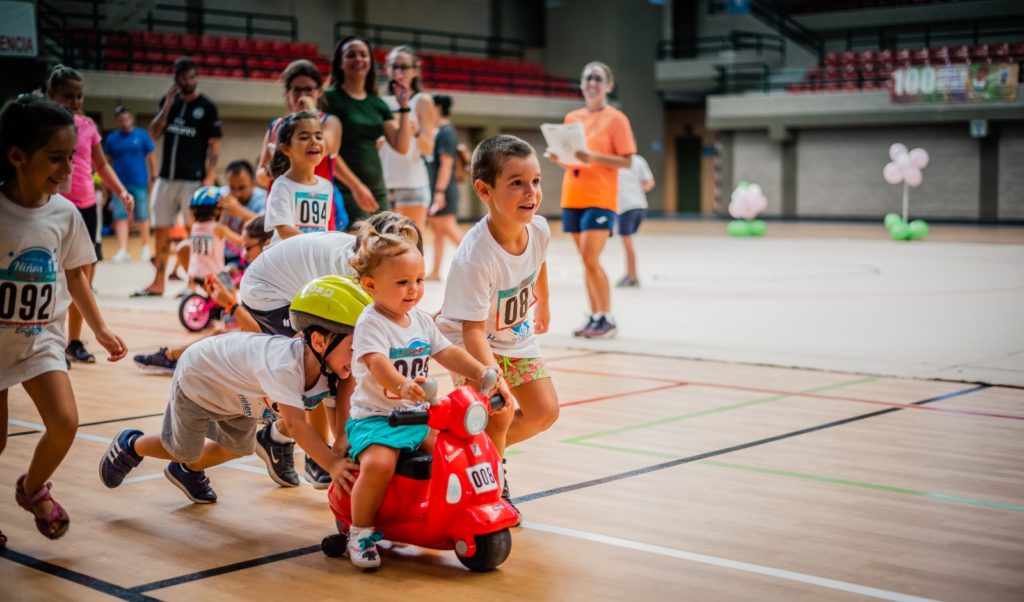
760,43
431,39
936,33
737,78
786,26
215,20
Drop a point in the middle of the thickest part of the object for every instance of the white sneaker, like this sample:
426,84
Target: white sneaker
147,253
362,547
121,256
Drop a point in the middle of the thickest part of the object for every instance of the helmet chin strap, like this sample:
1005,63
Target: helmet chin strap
332,378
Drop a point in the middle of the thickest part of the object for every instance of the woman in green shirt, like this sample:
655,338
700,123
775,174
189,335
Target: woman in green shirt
365,118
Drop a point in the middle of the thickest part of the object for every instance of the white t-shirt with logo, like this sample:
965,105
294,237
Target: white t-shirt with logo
631,179
244,374
305,206
409,348
282,270
36,246
487,283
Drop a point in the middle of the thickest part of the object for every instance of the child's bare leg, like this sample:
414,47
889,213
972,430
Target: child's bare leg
497,429
627,245
376,467
538,410
52,395
183,254
3,420
149,446
213,453
75,319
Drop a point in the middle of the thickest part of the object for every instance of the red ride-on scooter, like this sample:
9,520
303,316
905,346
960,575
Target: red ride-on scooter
451,500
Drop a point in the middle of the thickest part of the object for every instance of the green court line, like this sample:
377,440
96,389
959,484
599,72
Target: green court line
580,439
874,486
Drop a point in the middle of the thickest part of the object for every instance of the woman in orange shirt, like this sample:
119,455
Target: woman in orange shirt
590,190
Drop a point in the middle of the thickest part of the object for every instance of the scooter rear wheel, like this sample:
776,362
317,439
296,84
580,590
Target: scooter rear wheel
334,546
491,550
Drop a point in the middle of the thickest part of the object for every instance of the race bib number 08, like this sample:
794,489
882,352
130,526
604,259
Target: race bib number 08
514,304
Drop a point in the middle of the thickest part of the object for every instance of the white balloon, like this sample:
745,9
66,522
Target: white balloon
896,150
919,158
892,173
755,190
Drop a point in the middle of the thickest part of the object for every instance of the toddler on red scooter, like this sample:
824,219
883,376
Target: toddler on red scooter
392,344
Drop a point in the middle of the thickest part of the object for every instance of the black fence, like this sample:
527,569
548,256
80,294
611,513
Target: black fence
431,40
759,43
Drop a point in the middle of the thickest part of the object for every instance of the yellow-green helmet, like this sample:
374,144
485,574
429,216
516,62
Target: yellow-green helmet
330,302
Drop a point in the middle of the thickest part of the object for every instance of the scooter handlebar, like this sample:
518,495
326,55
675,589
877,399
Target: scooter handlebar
497,402
406,417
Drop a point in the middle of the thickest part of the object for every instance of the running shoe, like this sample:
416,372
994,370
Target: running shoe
78,353
279,458
156,362
195,485
120,458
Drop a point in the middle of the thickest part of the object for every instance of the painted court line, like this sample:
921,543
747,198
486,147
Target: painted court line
875,486
891,404
726,563
99,585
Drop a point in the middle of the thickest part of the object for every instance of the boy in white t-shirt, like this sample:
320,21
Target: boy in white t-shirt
635,182
498,275
224,385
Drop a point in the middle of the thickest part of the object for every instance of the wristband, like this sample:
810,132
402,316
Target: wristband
402,110
440,191
231,310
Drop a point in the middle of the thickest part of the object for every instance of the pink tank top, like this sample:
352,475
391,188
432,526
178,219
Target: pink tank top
207,258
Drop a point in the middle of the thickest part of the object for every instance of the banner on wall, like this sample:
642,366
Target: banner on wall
955,83
18,29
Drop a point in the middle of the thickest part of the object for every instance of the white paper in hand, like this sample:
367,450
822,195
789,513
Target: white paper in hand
565,140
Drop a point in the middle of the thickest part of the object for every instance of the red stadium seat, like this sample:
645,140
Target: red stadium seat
940,55
832,59
1001,52
961,54
885,56
921,56
980,54
849,58
903,56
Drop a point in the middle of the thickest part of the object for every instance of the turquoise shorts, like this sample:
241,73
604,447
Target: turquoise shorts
364,432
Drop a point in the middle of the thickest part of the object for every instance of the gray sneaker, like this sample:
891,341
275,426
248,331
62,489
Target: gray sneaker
585,327
603,328
279,458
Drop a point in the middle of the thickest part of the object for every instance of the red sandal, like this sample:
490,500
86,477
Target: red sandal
55,524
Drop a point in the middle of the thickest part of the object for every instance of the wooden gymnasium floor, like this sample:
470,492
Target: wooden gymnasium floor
665,478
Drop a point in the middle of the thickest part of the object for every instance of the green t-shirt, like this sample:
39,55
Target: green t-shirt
362,123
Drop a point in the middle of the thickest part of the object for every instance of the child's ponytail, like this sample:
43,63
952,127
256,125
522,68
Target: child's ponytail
60,75
28,123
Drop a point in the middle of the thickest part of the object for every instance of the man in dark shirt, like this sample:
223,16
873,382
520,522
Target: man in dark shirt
190,127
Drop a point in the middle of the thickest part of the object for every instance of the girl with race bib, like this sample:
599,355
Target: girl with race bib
44,250
392,344
207,236
299,201
496,298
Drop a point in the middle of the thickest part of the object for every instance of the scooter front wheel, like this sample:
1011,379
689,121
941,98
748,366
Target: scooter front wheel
334,546
491,550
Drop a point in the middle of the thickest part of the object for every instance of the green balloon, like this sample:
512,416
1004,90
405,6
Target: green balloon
738,228
892,219
757,227
900,231
918,229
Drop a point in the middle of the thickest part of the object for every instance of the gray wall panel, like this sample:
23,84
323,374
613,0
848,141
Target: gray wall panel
839,172
757,159
1011,171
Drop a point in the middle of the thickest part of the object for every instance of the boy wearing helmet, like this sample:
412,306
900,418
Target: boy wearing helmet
223,386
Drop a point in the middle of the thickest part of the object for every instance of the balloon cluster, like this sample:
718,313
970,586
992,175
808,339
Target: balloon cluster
905,166
901,230
746,202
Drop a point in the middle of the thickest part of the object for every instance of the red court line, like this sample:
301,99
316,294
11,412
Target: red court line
624,394
892,404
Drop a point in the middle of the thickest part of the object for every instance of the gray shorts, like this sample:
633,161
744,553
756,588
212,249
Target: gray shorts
409,197
169,198
187,426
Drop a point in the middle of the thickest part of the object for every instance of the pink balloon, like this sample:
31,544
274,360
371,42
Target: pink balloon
919,158
737,208
760,205
913,178
896,150
892,173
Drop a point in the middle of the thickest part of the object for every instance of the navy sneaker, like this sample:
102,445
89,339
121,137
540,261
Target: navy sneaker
194,485
120,458
602,328
78,353
315,475
279,458
156,362
505,494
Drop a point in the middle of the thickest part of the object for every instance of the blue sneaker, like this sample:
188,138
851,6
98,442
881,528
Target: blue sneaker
120,458
194,485
157,362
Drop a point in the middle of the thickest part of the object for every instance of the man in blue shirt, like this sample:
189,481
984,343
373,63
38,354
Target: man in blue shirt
130,150
241,202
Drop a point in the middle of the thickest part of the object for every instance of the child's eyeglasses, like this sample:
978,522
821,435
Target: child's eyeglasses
593,78
302,91
401,67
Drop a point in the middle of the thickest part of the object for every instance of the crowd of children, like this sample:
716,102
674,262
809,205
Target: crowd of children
332,338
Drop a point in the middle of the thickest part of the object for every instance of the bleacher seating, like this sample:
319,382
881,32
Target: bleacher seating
872,69
235,57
